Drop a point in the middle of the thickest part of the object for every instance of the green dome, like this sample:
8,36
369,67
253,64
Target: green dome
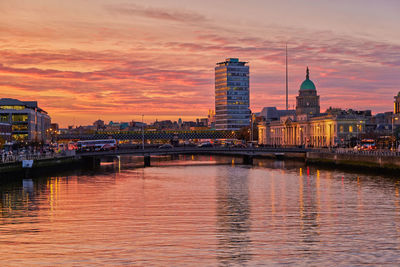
307,84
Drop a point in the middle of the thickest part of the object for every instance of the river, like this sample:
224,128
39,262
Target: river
201,211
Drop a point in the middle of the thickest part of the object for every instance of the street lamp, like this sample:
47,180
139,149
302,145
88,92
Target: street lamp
251,128
142,132
393,118
359,132
357,135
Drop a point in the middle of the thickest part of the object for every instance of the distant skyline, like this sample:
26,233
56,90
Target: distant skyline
115,60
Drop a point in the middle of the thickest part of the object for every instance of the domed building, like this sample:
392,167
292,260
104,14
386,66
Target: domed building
307,127
308,101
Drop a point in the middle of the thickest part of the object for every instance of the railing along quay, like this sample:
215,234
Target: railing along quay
349,151
11,158
14,158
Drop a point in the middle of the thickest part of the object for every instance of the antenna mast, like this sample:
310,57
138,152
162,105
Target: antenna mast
287,89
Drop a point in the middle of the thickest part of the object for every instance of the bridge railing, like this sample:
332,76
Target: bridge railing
176,150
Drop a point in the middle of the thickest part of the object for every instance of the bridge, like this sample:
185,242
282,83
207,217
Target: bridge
151,135
246,153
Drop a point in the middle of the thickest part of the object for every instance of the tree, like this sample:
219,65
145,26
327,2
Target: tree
244,133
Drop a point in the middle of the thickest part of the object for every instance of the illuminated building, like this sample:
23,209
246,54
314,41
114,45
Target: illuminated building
211,118
397,104
321,131
232,95
28,121
308,127
5,132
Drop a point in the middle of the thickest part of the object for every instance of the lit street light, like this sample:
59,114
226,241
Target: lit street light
251,133
393,118
142,132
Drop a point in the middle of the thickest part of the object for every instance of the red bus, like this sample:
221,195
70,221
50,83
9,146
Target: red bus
368,144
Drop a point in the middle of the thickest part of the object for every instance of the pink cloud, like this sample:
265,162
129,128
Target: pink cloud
130,71
156,13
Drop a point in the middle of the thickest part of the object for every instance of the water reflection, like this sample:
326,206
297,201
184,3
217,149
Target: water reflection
201,211
309,212
233,216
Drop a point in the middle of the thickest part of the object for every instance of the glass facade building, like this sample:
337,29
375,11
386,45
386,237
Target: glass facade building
232,95
28,121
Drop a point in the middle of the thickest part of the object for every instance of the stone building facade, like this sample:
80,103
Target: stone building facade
308,127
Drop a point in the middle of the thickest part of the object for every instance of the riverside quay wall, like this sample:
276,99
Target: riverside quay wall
388,161
48,165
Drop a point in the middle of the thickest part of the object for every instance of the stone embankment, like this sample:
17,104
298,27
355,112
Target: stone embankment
20,164
374,160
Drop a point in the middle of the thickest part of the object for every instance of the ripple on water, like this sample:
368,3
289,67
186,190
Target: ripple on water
197,213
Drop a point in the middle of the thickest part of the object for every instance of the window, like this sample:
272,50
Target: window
19,117
350,128
341,128
4,118
20,137
13,107
20,127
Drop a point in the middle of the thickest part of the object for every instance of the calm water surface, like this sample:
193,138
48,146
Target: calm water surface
196,212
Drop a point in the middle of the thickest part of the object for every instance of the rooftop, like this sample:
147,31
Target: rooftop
232,61
16,102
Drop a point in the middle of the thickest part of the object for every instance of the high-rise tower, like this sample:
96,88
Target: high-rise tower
232,95
397,104
308,101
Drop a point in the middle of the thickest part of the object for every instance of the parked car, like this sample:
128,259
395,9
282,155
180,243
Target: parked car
166,146
239,146
206,144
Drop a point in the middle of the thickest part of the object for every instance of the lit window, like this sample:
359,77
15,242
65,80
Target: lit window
19,117
13,107
20,127
20,137
4,118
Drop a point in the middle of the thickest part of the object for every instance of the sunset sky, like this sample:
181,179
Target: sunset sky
88,59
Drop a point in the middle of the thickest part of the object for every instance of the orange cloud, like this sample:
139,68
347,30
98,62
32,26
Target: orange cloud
120,60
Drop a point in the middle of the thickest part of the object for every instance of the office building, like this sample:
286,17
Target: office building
29,122
232,95
397,104
5,133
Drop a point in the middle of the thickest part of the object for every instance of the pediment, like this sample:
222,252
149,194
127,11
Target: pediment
288,121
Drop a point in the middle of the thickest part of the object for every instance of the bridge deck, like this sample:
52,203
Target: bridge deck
195,150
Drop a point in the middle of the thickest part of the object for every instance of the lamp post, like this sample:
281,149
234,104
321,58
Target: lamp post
251,134
142,132
393,118
357,136
360,132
